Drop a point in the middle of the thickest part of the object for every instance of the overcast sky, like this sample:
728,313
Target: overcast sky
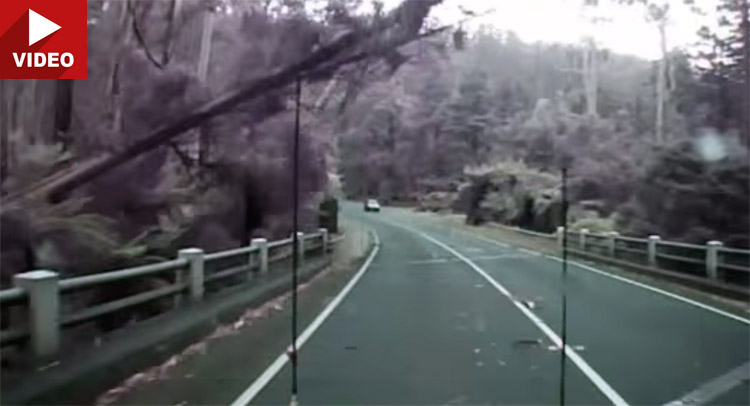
628,31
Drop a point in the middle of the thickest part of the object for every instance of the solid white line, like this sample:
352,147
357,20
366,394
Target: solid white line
593,376
714,388
254,389
626,280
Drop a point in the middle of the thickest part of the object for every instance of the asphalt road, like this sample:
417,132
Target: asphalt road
423,326
441,317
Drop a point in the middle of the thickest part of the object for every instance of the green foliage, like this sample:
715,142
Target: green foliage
683,196
328,214
510,192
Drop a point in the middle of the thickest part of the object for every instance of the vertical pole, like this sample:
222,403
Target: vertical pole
653,242
612,243
195,259
564,333
300,248
583,234
262,245
712,259
296,241
324,239
560,238
44,310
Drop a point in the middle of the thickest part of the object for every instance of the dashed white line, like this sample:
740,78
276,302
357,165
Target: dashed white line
587,370
714,388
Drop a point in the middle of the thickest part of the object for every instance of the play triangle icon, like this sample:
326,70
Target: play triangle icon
39,27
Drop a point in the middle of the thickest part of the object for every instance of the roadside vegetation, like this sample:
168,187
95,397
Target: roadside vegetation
652,147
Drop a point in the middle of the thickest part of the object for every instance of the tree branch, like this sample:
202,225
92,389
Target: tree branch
140,38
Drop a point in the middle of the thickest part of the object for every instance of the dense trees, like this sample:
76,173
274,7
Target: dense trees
468,128
724,61
181,135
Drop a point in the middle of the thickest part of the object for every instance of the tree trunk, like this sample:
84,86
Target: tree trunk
63,111
590,73
205,53
661,85
204,61
123,19
174,11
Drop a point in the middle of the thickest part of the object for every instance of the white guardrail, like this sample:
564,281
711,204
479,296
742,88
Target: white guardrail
712,261
38,295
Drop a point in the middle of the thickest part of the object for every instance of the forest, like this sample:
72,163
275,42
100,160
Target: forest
651,147
182,133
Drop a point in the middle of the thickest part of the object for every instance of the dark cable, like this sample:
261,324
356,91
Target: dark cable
564,283
295,239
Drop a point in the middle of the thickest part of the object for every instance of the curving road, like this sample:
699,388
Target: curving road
441,317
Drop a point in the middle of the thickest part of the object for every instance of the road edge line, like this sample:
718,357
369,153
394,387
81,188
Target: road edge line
589,268
572,355
272,370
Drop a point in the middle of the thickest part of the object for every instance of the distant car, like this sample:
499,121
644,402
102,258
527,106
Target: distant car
372,205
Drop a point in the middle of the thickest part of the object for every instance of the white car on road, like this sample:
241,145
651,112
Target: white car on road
372,205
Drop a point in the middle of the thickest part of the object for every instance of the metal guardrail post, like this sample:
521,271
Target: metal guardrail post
584,233
324,239
653,243
195,259
712,259
44,309
560,236
262,245
612,243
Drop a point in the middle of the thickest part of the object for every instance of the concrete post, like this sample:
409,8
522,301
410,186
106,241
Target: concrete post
324,239
44,310
712,259
584,233
653,242
262,245
560,236
301,247
612,243
195,259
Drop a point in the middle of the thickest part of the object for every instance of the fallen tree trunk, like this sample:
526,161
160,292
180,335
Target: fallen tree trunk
404,22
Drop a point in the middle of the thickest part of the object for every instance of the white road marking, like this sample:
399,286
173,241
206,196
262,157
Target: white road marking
626,280
430,261
502,256
587,370
254,389
480,258
530,252
714,388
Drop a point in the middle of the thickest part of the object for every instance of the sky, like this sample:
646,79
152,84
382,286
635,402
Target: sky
563,21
